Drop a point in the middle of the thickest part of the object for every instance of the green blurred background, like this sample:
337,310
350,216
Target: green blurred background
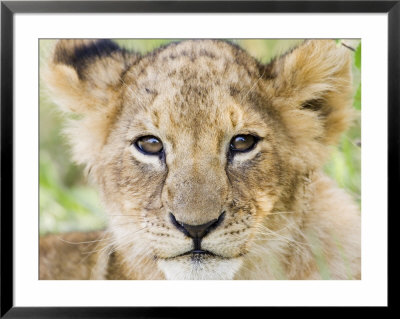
68,203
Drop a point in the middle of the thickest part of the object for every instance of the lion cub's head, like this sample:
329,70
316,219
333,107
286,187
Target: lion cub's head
193,145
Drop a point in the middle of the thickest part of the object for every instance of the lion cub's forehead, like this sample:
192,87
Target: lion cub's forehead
199,57
192,84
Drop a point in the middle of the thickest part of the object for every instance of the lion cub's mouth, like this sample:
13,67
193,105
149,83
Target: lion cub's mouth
196,254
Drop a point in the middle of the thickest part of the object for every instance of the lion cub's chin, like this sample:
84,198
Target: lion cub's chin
199,268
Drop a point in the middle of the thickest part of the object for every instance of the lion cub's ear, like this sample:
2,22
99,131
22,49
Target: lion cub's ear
84,75
313,89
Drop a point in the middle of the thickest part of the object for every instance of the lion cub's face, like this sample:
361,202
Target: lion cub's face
194,147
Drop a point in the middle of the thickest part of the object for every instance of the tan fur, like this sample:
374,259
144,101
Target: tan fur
284,219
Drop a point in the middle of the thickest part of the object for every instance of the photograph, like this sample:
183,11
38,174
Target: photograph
200,159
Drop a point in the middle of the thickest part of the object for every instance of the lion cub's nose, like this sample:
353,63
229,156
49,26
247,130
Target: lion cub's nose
197,231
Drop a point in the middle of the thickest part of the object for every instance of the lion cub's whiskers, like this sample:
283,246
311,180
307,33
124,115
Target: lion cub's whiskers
80,242
280,236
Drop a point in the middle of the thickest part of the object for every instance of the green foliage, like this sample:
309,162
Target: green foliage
357,99
357,64
64,208
68,203
357,57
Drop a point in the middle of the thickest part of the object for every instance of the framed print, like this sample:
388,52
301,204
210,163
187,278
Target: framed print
152,148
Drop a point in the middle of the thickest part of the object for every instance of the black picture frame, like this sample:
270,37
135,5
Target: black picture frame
9,8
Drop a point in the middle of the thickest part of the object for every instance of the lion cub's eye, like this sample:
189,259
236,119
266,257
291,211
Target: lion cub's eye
149,145
243,143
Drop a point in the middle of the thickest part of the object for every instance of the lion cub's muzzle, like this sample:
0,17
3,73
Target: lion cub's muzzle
197,232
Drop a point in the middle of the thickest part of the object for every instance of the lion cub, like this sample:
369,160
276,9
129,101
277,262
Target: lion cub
208,162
